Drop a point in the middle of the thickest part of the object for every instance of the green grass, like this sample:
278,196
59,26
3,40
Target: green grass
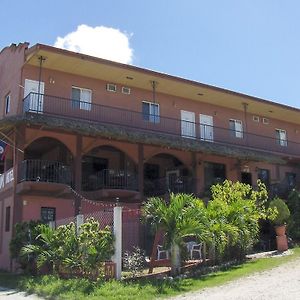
52,287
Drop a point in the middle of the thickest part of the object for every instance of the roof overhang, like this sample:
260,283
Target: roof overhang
128,75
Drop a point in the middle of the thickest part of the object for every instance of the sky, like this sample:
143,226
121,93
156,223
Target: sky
248,46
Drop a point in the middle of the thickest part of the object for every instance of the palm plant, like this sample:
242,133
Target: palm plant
183,216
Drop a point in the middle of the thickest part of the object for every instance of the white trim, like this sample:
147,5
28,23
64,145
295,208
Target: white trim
282,141
7,104
126,90
111,87
265,121
256,119
237,133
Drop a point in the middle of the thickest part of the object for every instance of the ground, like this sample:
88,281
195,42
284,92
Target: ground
282,282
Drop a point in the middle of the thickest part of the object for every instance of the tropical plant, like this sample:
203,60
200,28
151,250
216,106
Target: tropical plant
183,216
25,233
65,249
234,213
283,212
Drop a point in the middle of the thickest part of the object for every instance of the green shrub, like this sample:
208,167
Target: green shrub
283,212
293,203
134,261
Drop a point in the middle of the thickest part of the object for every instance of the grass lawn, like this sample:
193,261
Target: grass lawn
52,287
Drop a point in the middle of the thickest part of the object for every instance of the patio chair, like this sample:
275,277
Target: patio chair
161,252
196,248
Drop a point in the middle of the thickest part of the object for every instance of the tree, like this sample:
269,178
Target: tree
234,213
183,216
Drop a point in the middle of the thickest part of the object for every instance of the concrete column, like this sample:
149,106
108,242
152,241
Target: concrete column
78,172
79,222
117,257
141,170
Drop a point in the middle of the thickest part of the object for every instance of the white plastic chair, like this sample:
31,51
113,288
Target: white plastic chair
196,248
161,252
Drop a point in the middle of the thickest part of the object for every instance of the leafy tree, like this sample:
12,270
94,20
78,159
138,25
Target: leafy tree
234,213
183,216
293,203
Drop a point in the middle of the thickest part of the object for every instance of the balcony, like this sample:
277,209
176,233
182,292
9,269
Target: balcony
110,183
158,125
162,186
43,177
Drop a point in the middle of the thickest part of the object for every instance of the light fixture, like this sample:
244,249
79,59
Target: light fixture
128,77
200,94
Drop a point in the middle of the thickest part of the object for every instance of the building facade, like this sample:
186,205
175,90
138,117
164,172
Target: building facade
80,125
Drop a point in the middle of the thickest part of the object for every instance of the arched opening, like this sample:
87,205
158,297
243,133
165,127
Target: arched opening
164,173
106,167
46,160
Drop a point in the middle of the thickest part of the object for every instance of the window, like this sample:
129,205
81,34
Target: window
7,104
48,214
265,121
111,87
256,119
7,219
281,138
264,176
236,128
126,90
81,98
150,112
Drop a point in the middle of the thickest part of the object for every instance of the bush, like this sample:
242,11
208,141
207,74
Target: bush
293,203
25,233
134,262
283,212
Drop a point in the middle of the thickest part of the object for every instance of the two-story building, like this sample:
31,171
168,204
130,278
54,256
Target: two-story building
115,132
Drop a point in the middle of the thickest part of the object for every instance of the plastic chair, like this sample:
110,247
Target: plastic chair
162,252
196,248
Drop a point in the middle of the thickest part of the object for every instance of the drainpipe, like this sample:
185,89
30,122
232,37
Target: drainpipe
41,59
245,106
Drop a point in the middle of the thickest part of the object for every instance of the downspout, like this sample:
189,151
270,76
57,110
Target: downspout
245,105
41,59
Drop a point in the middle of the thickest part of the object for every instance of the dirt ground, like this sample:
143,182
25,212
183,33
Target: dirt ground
282,282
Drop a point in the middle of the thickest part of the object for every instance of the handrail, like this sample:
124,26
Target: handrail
44,171
74,109
110,179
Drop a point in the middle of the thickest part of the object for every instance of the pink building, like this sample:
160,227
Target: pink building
114,131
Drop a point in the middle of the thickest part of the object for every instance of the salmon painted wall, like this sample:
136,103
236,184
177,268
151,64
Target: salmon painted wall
11,61
5,236
59,84
32,207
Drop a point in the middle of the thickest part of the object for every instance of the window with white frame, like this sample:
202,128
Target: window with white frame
7,104
111,87
150,112
81,98
236,128
281,137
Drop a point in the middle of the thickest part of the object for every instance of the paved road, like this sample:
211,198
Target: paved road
14,295
282,282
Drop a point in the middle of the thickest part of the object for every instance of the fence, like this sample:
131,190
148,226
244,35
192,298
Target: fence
125,222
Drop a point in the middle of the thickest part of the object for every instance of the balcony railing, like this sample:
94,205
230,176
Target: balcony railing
161,186
71,109
110,179
44,171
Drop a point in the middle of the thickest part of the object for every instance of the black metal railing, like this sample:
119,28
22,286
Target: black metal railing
164,185
110,179
44,171
74,109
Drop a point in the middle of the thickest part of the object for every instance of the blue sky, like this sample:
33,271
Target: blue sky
250,46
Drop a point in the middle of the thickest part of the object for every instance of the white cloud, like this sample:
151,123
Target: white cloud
100,41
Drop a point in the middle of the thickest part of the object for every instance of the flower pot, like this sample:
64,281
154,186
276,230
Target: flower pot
280,230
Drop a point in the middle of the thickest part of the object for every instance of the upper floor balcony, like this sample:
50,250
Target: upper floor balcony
157,124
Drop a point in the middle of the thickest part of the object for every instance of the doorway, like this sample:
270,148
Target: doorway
246,178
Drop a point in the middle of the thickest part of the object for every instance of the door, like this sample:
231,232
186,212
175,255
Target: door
206,128
188,124
35,102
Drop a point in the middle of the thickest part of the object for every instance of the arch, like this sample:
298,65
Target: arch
48,148
107,166
118,147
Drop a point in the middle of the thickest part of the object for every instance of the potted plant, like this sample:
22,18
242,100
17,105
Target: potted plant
282,216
